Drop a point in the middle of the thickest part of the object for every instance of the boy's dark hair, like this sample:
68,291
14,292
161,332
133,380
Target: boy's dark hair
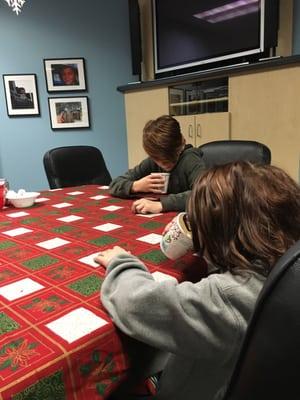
162,138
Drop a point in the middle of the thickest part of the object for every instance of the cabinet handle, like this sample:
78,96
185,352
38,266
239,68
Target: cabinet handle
190,130
198,131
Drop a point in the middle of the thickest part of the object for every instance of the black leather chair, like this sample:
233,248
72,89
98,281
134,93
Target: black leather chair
269,362
74,166
224,151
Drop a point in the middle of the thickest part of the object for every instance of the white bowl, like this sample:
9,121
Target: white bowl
27,199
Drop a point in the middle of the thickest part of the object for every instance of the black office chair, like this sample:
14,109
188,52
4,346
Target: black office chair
223,151
75,166
269,362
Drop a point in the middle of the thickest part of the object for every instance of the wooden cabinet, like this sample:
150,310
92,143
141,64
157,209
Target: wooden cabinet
264,106
141,106
202,128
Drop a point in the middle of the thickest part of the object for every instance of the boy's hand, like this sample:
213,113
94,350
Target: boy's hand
153,183
145,206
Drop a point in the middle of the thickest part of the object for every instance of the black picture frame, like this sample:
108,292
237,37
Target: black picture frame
21,95
69,112
65,74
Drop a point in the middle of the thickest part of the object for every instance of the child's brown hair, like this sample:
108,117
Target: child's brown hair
162,139
244,215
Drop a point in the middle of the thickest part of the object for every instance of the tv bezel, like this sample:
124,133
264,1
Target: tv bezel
176,69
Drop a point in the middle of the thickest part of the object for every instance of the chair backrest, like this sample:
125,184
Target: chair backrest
74,166
269,361
224,151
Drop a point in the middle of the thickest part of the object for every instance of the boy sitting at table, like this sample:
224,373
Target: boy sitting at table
167,151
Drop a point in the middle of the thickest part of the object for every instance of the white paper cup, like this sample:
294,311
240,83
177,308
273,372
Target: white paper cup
166,176
177,241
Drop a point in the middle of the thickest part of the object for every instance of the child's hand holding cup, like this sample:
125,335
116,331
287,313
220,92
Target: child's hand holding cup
166,177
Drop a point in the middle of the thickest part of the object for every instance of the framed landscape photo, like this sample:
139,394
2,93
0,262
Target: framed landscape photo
65,74
69,112
21,95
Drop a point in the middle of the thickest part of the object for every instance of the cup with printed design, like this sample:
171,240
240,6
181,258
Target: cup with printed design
177,241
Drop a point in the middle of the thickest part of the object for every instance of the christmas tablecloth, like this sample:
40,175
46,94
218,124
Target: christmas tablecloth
56,339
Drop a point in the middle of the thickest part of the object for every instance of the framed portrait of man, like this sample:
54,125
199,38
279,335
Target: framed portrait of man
65,74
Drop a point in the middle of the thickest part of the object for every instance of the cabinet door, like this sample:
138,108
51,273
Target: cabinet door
141,106
265,107
212,126
202,128
188,127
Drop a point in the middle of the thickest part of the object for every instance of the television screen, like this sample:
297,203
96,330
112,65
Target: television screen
194,33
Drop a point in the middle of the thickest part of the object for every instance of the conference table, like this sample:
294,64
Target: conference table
56,339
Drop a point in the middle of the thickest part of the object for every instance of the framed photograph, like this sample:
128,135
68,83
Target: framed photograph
69,112
65,74
21,95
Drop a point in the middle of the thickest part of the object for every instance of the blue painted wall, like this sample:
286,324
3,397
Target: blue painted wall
95,30
98,31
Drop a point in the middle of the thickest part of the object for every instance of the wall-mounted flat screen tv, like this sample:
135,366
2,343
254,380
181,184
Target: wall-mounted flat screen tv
194,35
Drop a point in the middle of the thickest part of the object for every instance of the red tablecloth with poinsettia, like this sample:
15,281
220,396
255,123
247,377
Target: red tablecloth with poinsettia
56,339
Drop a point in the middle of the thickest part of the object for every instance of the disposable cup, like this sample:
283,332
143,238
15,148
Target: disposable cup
177,241
166,176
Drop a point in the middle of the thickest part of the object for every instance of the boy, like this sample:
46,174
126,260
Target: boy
167,151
